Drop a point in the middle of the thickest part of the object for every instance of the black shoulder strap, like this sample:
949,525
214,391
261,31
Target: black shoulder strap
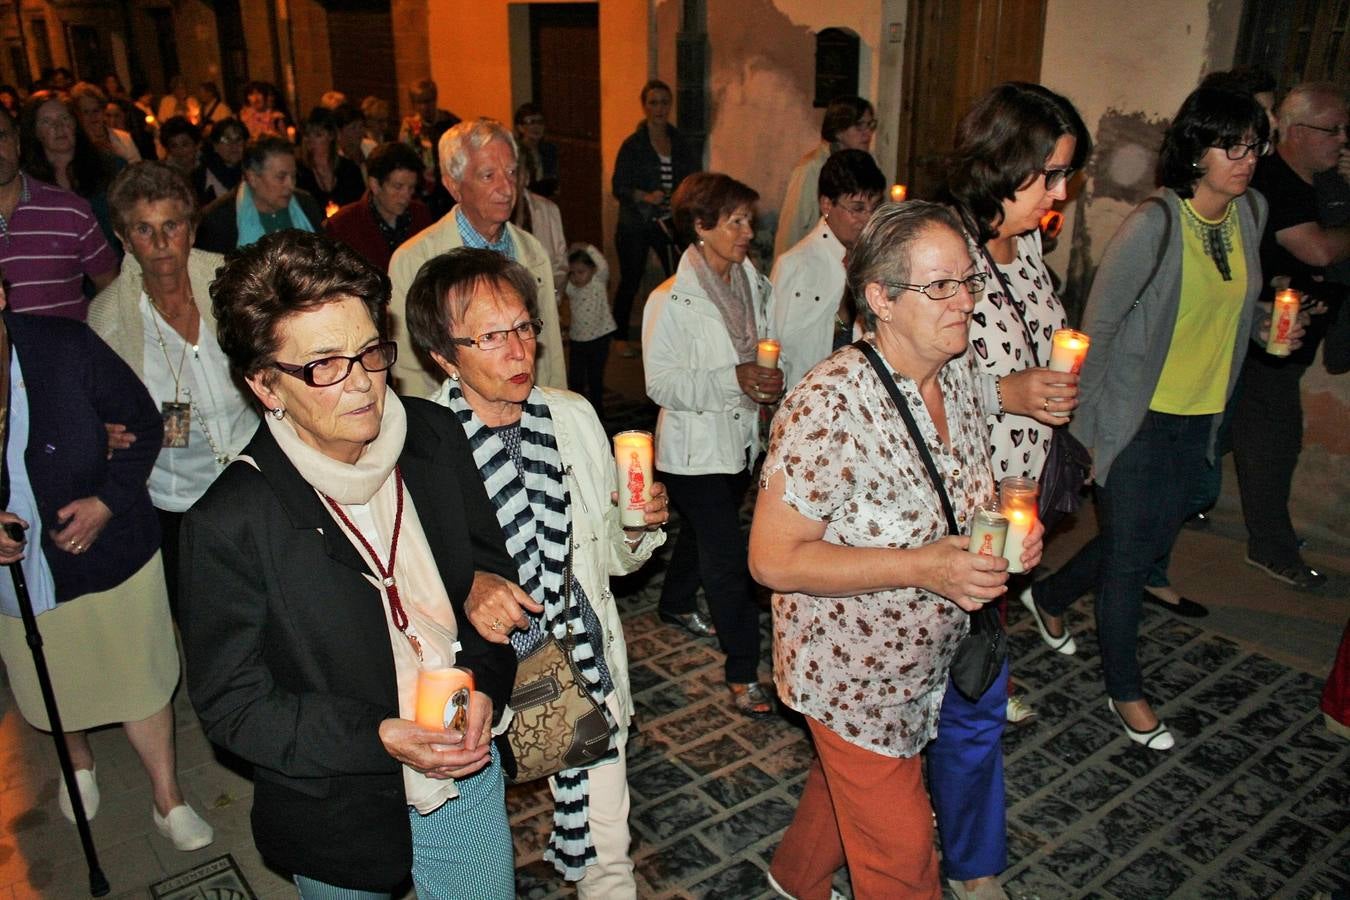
884,374
1162,249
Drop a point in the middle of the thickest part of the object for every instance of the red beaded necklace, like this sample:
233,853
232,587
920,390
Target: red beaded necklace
386,572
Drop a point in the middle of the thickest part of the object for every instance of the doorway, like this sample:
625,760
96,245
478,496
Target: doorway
565,82
955,51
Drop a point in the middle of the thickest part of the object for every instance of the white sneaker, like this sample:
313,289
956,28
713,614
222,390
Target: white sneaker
1018,710
88,785
185,828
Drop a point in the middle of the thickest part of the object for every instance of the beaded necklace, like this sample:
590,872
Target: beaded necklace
1215,237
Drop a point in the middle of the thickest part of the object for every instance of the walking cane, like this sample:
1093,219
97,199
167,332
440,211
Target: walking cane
98,882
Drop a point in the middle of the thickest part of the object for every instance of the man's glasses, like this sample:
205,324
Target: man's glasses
1055,177
944,288
495,340
1342,130
866,124
333,369
1240,150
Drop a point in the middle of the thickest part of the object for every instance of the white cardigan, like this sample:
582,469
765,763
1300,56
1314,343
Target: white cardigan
690,366
808,283
598,547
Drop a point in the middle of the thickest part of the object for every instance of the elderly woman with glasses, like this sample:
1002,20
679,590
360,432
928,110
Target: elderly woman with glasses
157,317
547,466
325,568
872,580
849,124
1171,312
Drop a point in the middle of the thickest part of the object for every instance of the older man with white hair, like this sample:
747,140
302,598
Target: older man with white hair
478,166
1297,248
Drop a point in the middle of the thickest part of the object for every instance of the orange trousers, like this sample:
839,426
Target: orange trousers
864,809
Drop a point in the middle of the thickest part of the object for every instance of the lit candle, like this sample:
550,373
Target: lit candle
443,698
988,532
1068,349
633,466
766,355
331,209
1017,501
898,193
1282,318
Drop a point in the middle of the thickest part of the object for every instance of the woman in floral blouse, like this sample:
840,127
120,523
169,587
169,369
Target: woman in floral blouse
870,589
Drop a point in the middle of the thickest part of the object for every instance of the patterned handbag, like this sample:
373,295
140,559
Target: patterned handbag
557,724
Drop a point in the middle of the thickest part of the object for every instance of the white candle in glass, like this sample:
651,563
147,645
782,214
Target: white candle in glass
633,469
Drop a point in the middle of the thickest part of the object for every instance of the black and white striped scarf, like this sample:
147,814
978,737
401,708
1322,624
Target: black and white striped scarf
534,513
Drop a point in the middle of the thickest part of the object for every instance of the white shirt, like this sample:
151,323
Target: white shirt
219,409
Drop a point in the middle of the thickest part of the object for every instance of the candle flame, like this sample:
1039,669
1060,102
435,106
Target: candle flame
331,209
899,192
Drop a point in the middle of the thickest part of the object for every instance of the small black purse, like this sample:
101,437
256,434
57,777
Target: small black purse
980,655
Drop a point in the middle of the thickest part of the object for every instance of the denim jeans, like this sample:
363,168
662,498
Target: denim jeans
1140,511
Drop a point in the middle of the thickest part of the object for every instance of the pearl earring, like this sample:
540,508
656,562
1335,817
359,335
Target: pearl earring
278,413
454,376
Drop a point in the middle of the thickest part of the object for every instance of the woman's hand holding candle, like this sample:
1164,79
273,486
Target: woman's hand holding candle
1043,394
758,383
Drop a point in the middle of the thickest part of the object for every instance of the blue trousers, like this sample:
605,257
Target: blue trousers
965,780
1140,509
461,851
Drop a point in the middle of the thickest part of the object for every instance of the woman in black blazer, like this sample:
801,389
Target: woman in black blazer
322,570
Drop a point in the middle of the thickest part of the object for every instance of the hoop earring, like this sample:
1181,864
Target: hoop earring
277,413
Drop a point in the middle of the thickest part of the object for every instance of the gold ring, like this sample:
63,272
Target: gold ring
496,624
1046,405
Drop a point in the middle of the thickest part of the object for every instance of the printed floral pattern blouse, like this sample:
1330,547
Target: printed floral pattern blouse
873,668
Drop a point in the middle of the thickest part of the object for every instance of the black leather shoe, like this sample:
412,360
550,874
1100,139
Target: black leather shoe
696,623
1185,607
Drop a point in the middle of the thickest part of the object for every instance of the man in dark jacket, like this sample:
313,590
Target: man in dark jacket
267,201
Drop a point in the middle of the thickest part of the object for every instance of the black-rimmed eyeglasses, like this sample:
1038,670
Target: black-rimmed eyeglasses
333,369
495,340
1055,177
1240,150
944,288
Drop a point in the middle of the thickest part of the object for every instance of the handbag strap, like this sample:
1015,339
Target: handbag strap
884,374
1012,301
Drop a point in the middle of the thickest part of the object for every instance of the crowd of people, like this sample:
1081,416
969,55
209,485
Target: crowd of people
319,422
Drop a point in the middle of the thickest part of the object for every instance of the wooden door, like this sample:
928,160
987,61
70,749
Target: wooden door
565,67
955,51
361,43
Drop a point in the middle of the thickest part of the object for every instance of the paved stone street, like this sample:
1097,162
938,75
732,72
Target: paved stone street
1254,801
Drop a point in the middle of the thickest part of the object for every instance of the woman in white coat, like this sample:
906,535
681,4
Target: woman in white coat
699,335
547,467
812,314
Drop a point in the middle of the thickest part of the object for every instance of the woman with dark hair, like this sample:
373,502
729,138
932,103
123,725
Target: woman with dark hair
1015,152
222,161
547,464
813,312
10,100
323,570
56,150
259,113
332,180
1171,311
182,143
869,556
700,331
543,174
651,164
122,114
849,124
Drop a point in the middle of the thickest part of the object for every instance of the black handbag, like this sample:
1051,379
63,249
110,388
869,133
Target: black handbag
1067,462
981,653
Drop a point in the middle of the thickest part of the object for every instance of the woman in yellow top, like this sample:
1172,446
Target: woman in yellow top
1171,311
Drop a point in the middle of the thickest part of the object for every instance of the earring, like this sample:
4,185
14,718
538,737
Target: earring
827,217
885,318
454,376
700,242
278,413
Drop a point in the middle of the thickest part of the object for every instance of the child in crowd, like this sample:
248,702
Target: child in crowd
592,324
